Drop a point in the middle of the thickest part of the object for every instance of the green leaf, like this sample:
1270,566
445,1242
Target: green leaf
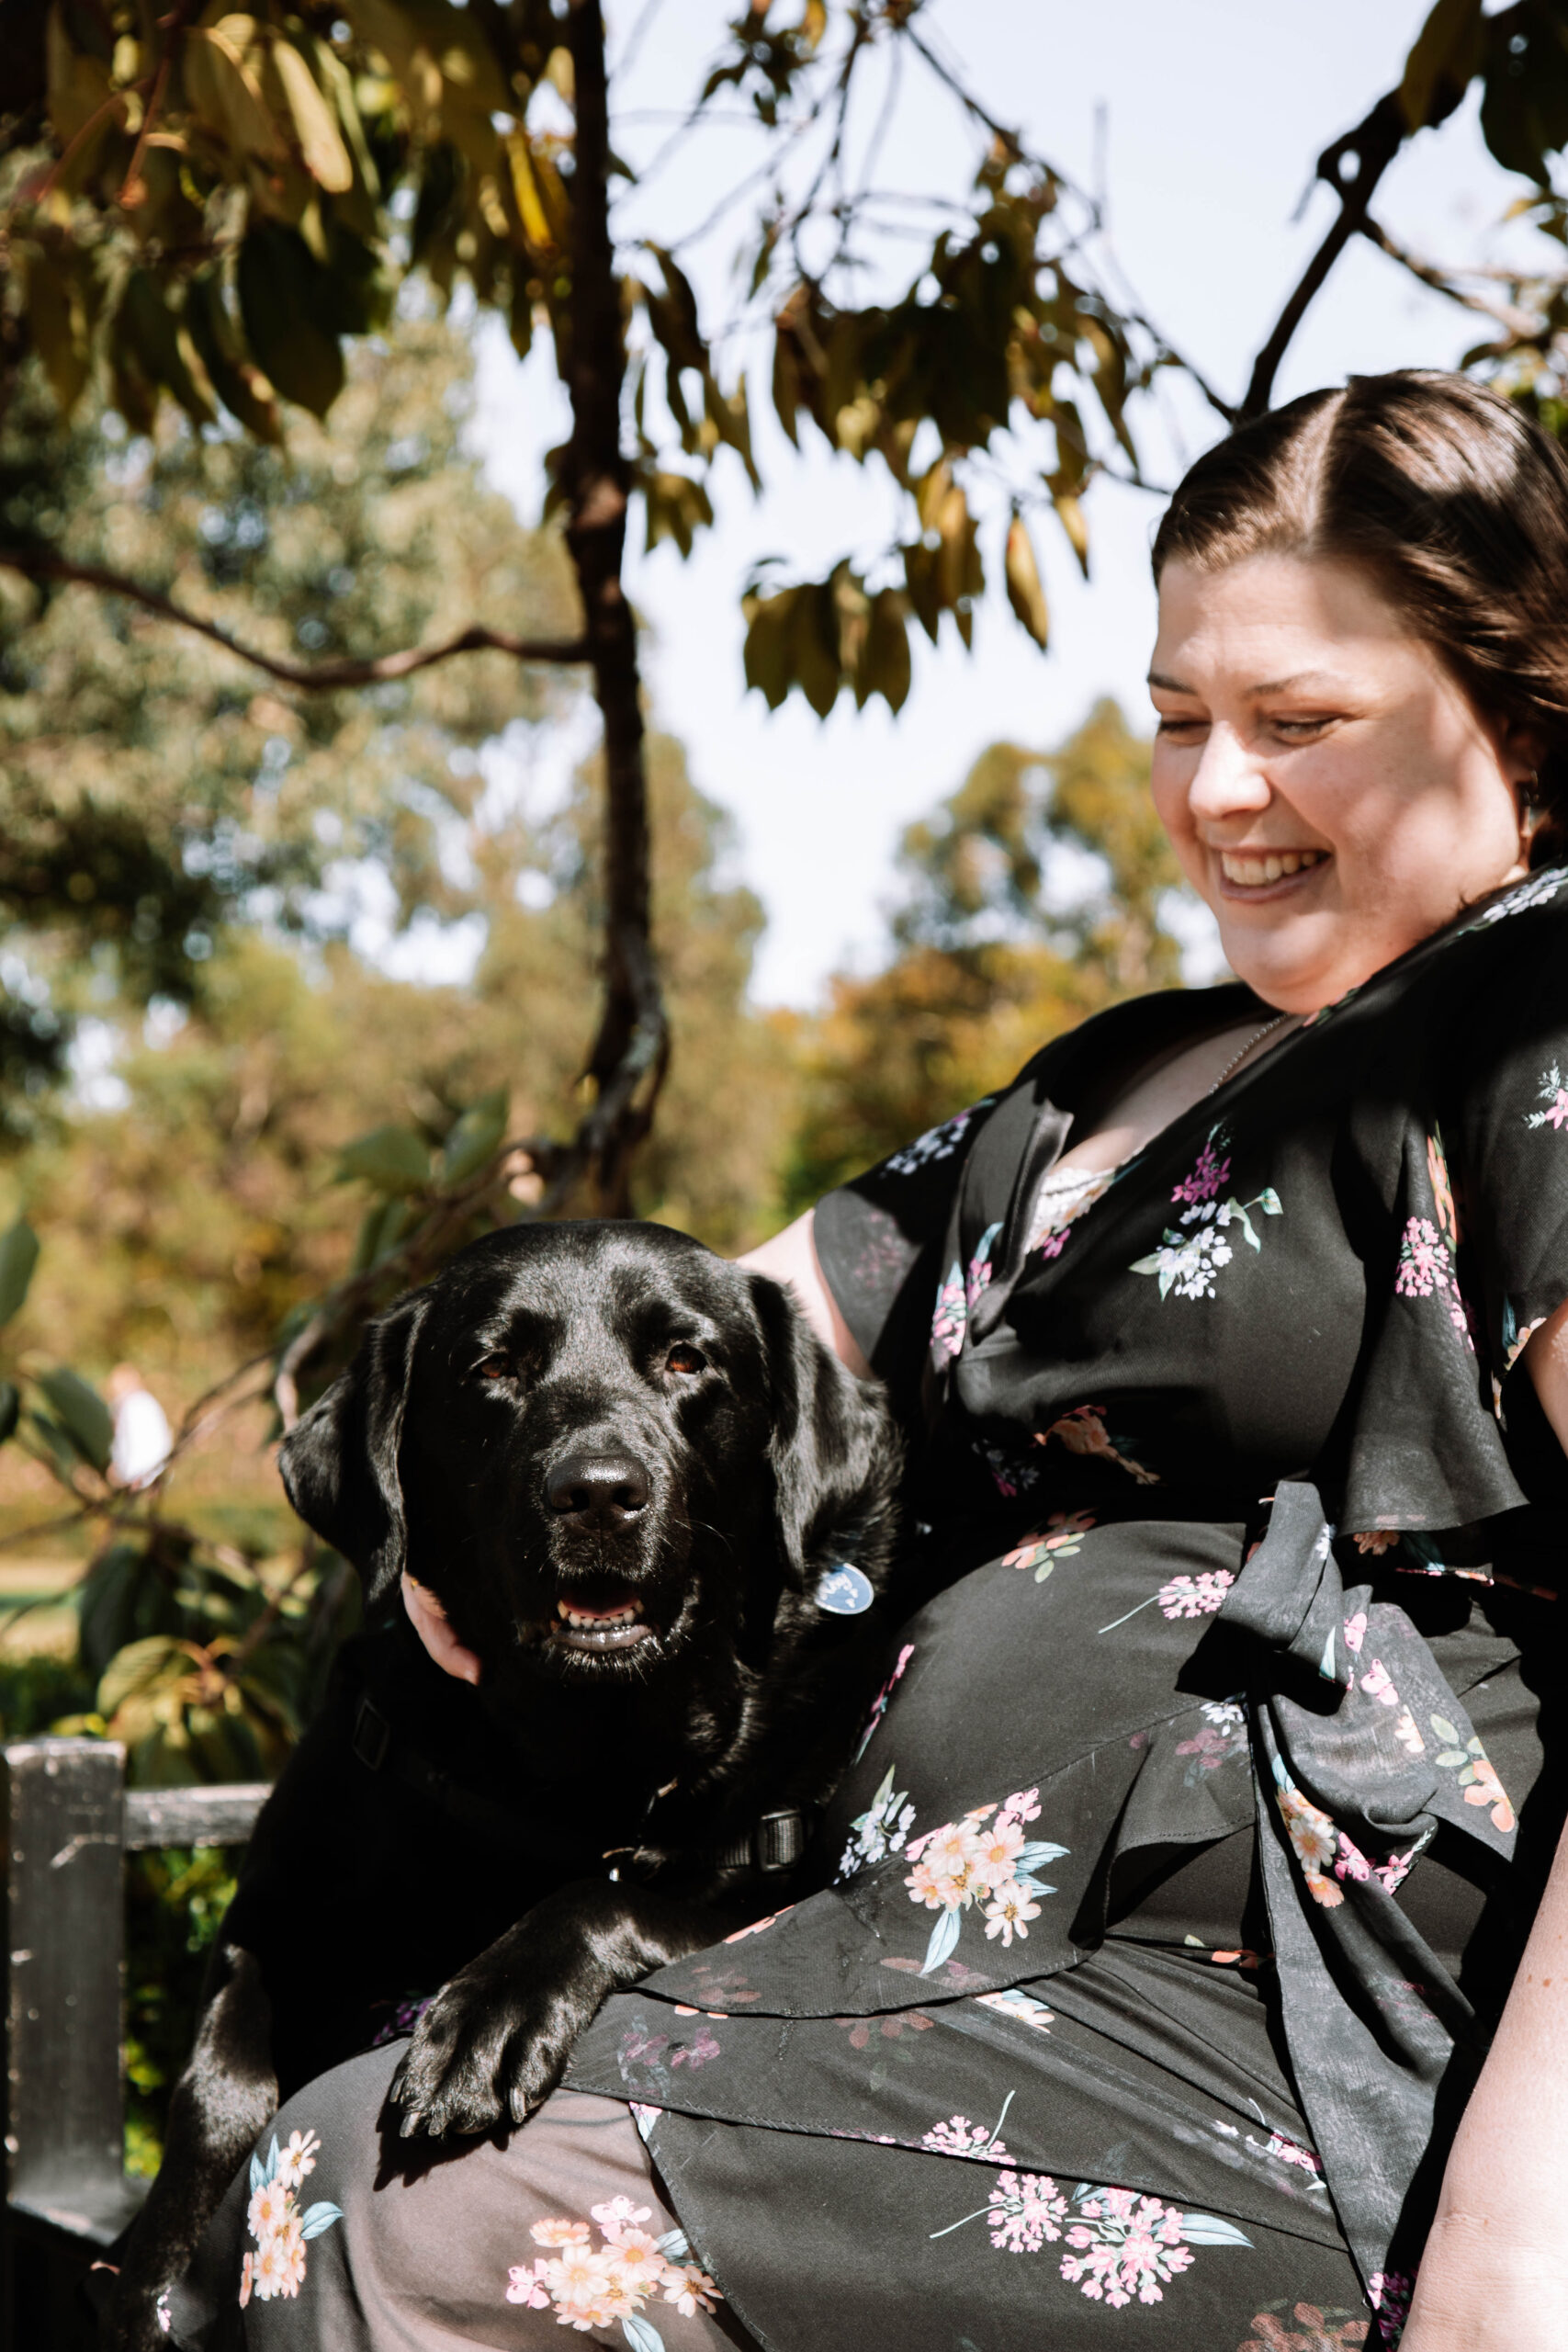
1446,52
18,1255
146,334
395,1159
82,1414
474,1137
284,292
315,124
1444,1729
238,384
885,667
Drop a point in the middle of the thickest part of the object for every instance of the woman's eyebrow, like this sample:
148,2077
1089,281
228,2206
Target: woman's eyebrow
1254,693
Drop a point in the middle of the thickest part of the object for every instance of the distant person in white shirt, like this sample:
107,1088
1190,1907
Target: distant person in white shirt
142,1439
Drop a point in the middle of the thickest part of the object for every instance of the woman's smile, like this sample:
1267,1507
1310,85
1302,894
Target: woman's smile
1256,874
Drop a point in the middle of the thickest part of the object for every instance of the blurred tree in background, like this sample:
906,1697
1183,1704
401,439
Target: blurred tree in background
272,657
991,957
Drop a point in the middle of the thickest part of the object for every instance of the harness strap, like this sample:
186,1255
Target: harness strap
774,1842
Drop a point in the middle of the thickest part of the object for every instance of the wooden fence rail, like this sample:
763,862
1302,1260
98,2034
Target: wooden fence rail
68,1822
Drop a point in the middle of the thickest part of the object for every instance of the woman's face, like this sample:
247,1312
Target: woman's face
1326,785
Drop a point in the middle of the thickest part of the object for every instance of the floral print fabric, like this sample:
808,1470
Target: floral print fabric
1327,1276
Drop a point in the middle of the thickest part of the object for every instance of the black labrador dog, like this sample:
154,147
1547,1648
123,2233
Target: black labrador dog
659,1515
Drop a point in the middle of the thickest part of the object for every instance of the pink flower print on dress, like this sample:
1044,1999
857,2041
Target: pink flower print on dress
979,1273
1128,2245
1062,1538
1083,1430
1477,1775
1423,1262
1025,2212
952,1314
1209,1173
1197,1596
1376,1541
588,2287
1408,1735
1553,1092
1389,2293
1377,1685
273,2218
965,1862
959,2137
879,1704
1356,1630
1313,1837
1310,2333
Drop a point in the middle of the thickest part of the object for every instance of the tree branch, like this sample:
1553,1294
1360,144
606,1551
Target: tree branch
1520,325
314,677
1374,143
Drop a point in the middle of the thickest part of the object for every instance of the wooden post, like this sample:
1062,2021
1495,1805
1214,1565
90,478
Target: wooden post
65,1935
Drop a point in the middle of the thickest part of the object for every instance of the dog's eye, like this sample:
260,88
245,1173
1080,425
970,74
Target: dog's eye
493,1367
685,1358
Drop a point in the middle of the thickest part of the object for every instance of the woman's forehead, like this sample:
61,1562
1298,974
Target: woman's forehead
1274,622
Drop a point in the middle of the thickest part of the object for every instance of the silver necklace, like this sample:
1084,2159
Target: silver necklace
1257,1038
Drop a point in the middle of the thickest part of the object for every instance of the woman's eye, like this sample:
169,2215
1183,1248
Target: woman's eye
1298,730
685,1358
1180,725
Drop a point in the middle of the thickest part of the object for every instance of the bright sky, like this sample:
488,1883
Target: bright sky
1215,113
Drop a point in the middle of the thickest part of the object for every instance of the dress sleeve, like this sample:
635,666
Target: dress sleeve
1511,1145
879,1239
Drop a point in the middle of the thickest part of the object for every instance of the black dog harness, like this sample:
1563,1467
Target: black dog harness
774,1842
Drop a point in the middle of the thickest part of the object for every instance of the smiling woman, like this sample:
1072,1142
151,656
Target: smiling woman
1199,1842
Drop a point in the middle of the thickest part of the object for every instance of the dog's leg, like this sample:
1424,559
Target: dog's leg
219,2104
495,2041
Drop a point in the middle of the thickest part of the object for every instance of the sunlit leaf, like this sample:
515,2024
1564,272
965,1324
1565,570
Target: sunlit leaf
1025,594
315,125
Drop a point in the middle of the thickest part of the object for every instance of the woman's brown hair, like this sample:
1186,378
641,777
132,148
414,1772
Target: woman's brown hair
1455,502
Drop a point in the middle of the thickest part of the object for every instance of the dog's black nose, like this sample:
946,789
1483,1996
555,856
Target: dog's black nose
598,1486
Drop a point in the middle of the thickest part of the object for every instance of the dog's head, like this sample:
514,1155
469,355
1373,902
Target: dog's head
598,1445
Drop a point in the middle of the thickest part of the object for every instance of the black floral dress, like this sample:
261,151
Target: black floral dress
1195,1832
1196,1828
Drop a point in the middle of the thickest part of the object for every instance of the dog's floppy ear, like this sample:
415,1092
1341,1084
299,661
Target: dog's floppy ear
340,1460
834,1449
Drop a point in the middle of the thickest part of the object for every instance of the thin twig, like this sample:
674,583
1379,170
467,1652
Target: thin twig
1523,325
131,191
314,677
1375,142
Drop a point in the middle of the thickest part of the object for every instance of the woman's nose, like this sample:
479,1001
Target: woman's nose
1229,780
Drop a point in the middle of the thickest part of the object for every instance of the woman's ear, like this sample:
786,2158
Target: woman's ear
340,1460
835,1451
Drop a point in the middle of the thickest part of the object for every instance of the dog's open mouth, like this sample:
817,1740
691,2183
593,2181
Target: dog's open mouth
598,1625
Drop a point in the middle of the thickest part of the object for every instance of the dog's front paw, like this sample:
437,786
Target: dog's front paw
487,2052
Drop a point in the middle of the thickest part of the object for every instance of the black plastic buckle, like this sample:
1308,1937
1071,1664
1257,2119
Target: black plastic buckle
372,1735
779,1840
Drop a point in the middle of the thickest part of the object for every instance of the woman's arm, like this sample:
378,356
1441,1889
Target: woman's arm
1494,2274
791,1259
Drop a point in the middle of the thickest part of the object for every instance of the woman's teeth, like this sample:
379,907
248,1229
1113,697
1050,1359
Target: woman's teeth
1252,872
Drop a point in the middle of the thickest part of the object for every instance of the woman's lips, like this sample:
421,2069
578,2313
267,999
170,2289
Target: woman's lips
1254,875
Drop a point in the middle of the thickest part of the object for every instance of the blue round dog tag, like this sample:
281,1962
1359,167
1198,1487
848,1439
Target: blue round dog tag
844,1591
